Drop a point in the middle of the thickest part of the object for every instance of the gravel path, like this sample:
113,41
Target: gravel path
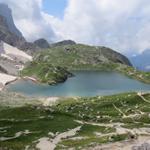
50,144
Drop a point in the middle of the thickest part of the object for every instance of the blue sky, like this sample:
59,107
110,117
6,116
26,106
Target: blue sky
55,7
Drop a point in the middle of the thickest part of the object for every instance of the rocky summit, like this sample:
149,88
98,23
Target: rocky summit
42,43
7,36
9,32
6,12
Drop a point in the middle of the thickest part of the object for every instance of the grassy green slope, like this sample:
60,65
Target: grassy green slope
78,56
99,118
134,73
46,73
84,57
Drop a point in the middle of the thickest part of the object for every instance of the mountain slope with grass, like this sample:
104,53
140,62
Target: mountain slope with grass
74,123
46,73
79,56
75,57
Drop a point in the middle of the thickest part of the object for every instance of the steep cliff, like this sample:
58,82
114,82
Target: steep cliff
9,32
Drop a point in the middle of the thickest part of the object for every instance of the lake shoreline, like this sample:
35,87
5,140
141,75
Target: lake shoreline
84,84
6,79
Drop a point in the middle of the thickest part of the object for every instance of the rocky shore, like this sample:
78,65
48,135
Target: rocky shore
6,79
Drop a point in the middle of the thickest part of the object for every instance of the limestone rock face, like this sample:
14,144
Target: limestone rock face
7,36
6,12
9,32
144,146
12,59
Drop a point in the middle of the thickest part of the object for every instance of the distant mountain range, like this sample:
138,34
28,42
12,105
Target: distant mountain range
142,61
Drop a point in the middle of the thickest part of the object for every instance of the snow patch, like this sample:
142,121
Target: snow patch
13,53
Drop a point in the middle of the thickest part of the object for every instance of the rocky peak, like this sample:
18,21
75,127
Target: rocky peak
6,12
10,34
42,43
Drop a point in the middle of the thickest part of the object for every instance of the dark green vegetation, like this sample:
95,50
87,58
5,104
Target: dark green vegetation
81,57
99,118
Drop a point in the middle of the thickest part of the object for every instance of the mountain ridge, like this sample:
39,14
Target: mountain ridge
73,57
85,53
6,12
9,32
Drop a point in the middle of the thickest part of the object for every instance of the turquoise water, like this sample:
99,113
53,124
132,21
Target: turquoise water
85,83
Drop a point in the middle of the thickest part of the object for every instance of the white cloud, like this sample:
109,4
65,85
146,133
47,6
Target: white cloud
123,25
29,19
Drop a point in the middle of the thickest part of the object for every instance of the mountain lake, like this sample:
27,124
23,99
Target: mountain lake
84,83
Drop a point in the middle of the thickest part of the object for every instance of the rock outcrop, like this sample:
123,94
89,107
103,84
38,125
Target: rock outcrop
12,59
63,43
10,34
7,36
114,56
6,12
42,43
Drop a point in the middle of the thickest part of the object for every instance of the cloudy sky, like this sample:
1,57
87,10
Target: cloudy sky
123,25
